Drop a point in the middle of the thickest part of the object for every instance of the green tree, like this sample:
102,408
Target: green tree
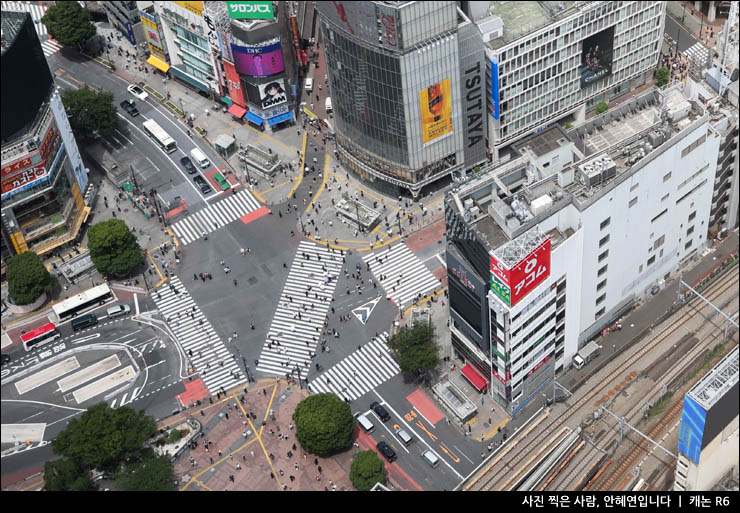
68,23
103,435
90,113
323,424
601,108
661,76
568,126
175,436
27,278
66,475
150,473
113,248
366,470
416,346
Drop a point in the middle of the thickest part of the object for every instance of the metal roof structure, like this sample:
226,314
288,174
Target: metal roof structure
512,252
717,381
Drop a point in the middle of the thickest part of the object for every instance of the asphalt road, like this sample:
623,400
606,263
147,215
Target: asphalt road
679,34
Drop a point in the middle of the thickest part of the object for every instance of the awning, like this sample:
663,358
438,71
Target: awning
254,118
237,110
160,65
472,375
280,118
227,100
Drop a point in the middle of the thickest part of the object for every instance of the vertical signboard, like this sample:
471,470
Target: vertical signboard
494,88
435,103
73,152
233,83
153,38
473,66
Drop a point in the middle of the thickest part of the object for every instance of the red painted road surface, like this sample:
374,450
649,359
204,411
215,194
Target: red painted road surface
194,391
252,216
426,236
425,406
400,479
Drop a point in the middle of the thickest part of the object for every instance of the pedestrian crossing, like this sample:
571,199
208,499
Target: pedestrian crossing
125,398
208,354
298,323
363,370
401,274
214,216
50,47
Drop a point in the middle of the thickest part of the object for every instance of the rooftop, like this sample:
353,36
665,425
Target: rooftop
11,23
717,381
521,18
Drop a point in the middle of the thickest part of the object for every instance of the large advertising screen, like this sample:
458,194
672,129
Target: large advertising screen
511,285
692,429
250,10
233,82
258,61
596,57
272,93
435,103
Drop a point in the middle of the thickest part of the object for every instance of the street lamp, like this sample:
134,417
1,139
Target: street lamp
184,114
303,230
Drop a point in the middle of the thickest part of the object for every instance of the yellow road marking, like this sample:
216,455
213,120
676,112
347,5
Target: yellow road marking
423,428
423,301
321,188
263,134
300,170
276,186
449,453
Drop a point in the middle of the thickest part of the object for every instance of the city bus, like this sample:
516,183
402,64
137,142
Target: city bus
40,336
157,133
82,301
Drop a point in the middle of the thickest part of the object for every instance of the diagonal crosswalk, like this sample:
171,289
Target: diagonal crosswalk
208,354
357,374
214,216
401,274
298,323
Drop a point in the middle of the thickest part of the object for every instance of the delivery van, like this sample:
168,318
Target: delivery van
199,158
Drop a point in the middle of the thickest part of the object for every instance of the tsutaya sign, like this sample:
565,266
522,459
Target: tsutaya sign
511,284
251,10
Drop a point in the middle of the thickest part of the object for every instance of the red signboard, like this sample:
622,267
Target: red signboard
234,83
294,29
536,367
511,285
16,166
25,177
47,144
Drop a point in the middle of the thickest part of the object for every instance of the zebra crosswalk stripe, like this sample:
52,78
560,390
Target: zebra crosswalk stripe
308,291
357,374
210,357
399,263
37,12
214,216
50,47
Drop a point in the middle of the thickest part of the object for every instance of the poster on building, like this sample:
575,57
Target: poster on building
494,88
596,57
24,179
530,271
272,93
153,38
250,10
194,7
258,61
234,84
435,103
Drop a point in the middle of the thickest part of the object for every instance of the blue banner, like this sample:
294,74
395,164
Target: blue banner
494,88
692,429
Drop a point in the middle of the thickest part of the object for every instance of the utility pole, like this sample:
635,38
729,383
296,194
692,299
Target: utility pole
133,176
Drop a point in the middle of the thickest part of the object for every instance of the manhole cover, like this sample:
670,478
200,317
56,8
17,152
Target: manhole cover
252,280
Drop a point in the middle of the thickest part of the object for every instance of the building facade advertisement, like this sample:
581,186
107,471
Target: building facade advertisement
73,152
272,94
25,178
258,61
693,419
473,90
530,272
494,88
500,289
211,33
233,82
194,7
250,10
596,57
16,166
294,32
153,38
435,103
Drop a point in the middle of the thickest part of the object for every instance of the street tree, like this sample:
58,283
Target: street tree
661,76
90,113
367,469
102,436
27,278
68,23
66,475
149,473
324,424
417,348
113,248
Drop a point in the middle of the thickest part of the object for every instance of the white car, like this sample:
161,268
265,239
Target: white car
138,92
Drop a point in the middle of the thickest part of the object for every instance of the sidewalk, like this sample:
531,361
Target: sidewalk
695,23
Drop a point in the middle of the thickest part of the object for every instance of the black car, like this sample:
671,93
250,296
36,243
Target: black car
387,451
381,412
205,188
188,165
130,107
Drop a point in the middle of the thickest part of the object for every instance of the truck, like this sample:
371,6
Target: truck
586,354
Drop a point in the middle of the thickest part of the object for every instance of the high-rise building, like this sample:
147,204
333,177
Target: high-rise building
44,181
548,249
407,82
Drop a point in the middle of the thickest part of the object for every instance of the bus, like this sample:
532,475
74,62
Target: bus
157,133
40,336
82,301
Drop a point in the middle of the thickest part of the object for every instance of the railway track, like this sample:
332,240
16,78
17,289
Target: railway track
495,471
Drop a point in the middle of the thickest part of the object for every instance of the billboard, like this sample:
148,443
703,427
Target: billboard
494,88
233,82
596,57
25,179
258,61
512,284
435,103
153,38
272,93
690,437
250,10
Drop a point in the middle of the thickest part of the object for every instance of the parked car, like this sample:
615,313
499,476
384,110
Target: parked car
204,186
188,165
221,181
380,411
130,107
387,451
138,92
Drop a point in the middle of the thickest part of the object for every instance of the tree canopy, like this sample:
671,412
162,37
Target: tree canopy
366,470
602,107
27,278
416,347
66,475
103,435
661,76
90,113
324,424
68,23
150,473
113,248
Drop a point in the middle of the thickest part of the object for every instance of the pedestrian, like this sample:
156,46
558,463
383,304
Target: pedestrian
236,283
319,469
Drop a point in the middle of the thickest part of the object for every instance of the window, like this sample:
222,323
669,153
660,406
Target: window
688,244
603,255
600,299
690,230
640,271
659,242
601,285
600,313
658,216
651,261
604,240
605,223
633,202
692,215
602,270
691,147
665,197
667,177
